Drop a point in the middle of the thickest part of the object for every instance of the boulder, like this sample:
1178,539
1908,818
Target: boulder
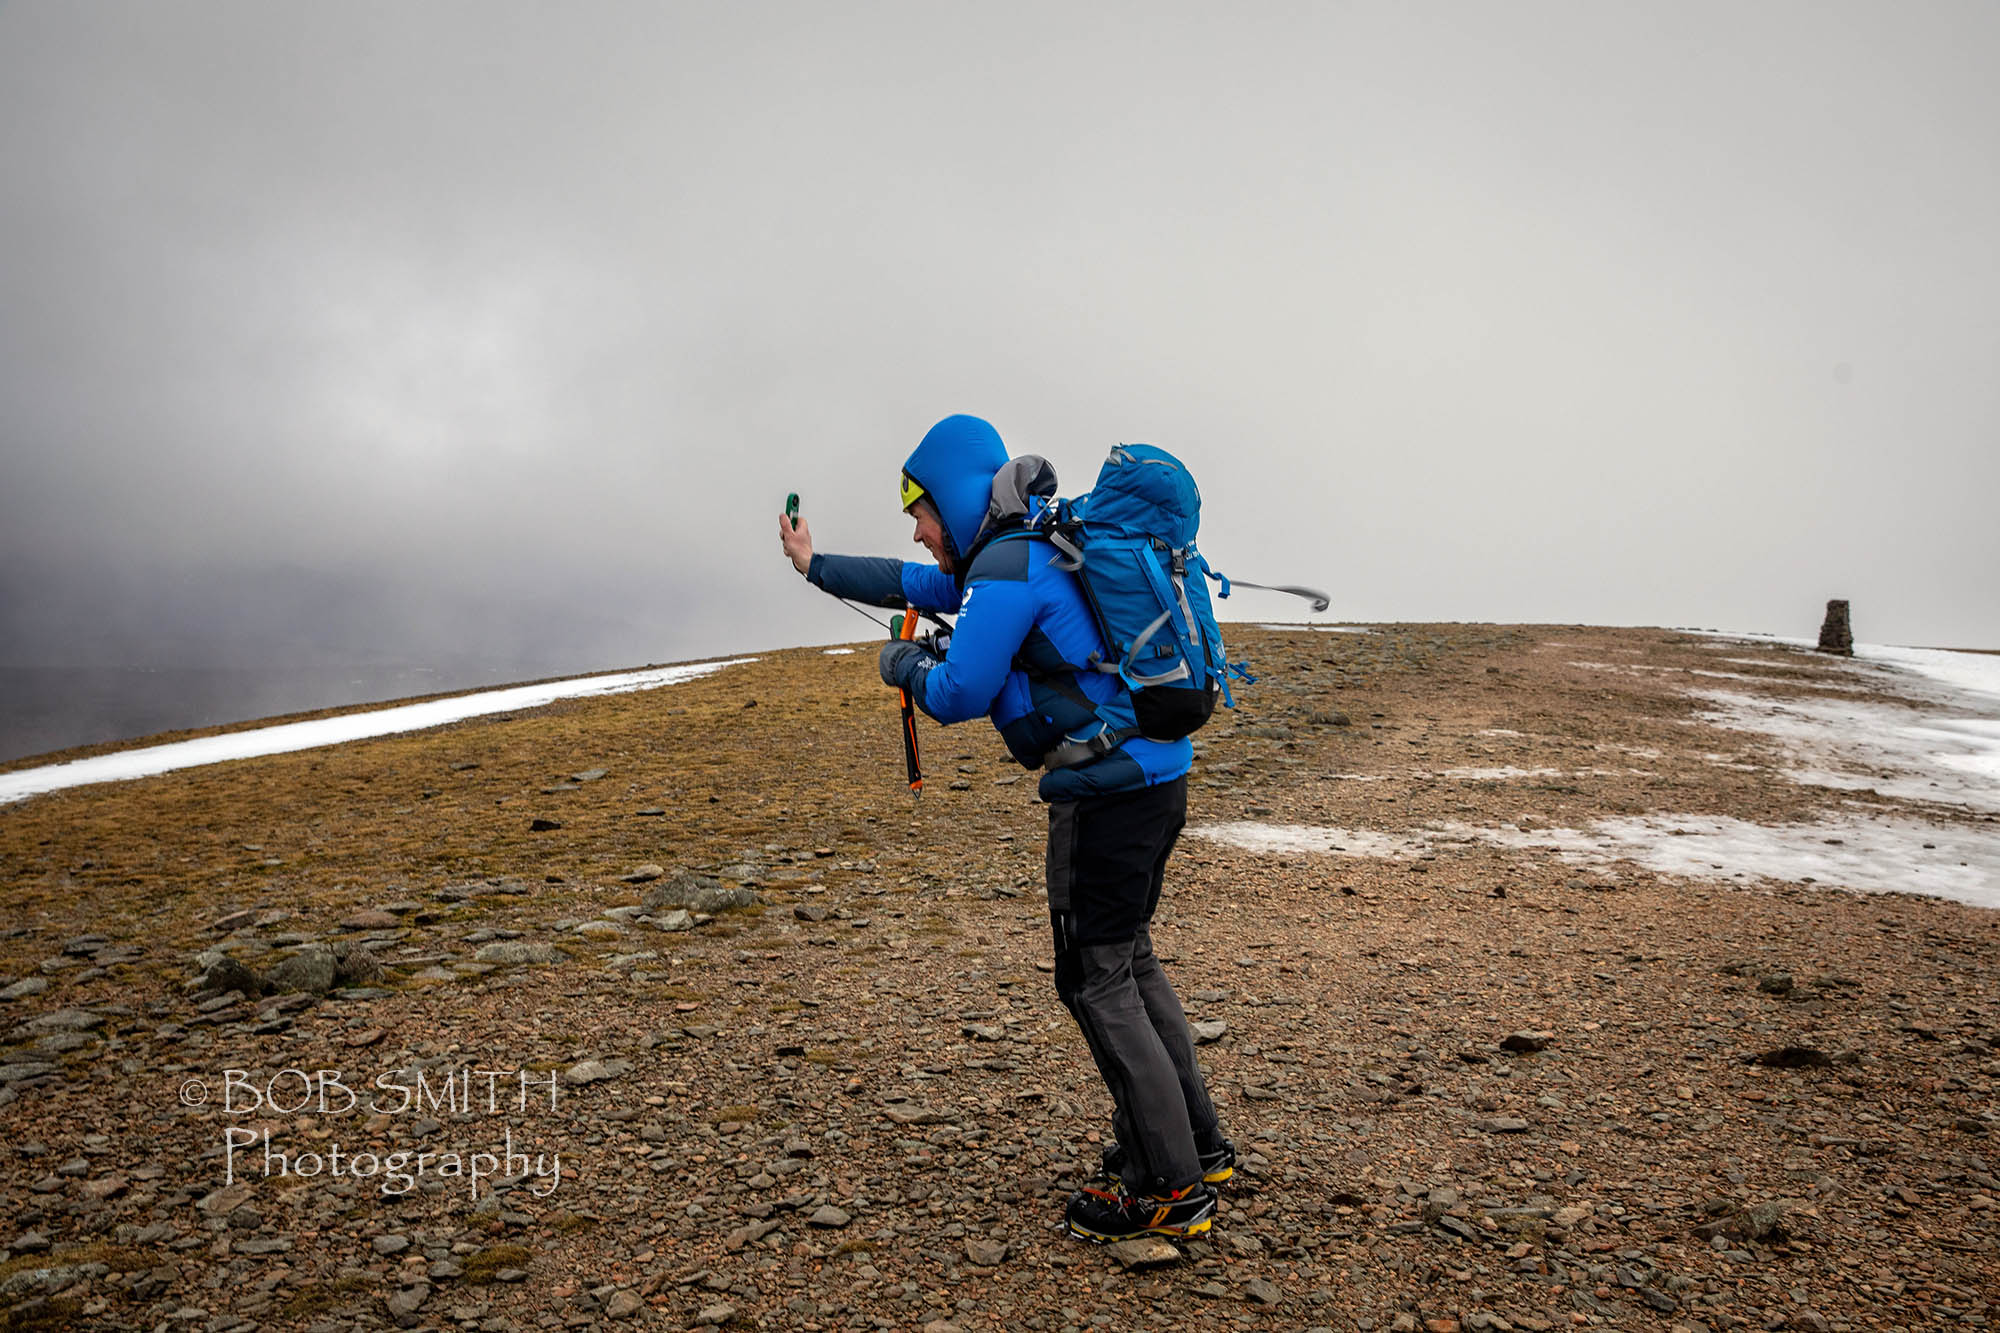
697,893
218,974
313,970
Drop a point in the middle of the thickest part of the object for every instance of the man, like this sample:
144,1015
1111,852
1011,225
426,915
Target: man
1115,806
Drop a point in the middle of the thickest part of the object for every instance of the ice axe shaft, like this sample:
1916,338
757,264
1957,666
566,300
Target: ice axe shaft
905,627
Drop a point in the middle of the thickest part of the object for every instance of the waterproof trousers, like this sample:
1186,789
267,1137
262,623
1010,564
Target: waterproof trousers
1106,862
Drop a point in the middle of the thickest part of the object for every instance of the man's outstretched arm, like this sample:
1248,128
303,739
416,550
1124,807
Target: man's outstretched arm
874,580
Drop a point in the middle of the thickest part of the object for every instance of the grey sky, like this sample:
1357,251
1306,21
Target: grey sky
515,323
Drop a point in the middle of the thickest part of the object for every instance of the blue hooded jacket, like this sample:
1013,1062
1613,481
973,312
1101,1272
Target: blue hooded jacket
1022,621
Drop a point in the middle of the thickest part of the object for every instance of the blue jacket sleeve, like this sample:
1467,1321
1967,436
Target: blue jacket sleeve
929,588
993,619
881,580
876,580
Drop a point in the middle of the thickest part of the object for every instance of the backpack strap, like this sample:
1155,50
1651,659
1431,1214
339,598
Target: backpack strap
1071,753
1320,601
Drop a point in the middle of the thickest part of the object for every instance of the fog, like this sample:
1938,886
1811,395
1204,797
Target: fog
496,334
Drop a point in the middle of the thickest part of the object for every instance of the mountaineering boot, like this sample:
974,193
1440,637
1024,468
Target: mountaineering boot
1216,1166
1101,1216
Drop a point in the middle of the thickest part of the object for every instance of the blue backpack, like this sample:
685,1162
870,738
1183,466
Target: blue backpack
1130,541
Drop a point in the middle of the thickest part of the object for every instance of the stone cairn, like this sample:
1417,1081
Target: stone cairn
1834,634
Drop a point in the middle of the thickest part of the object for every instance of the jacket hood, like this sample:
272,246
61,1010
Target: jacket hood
955,464
1016,487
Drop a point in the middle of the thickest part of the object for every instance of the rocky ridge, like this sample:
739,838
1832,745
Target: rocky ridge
748,1041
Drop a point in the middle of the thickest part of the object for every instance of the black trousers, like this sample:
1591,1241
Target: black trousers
1107,860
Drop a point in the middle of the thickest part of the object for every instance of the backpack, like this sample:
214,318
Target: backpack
1130,542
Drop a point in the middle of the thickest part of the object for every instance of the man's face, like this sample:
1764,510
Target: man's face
930,532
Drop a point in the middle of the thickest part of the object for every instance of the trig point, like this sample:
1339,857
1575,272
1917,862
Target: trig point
1834,634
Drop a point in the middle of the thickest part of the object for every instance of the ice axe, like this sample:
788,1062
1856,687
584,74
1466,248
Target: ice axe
904,627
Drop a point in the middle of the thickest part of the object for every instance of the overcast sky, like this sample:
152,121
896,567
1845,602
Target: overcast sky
504,328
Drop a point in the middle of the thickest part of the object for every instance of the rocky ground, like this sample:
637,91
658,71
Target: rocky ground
749,1041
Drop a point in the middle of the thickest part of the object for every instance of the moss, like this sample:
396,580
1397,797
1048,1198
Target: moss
308,1301
484,1266
56,1316
111,1256
722,1113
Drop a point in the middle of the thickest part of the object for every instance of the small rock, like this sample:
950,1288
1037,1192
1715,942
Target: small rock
1146,1252
372,919
915,1115
391,1244
518,951
826,1215
1262,1290
408,1300
644,874
544,825
716,1314
1208,1030
1778,983
1792,1057
61,1043
590,775
1501,1124
596,1071
985,1253
24,988
1527,1041
675,921
1752,1223
624,1304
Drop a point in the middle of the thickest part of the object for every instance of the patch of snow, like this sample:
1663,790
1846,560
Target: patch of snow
837,652
1976,673
1872,853
1634,668
1911,753
124,765
1865,852
1508,774
1793,665
1321,629
1255,837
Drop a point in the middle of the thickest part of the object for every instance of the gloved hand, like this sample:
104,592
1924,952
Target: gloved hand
902,662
